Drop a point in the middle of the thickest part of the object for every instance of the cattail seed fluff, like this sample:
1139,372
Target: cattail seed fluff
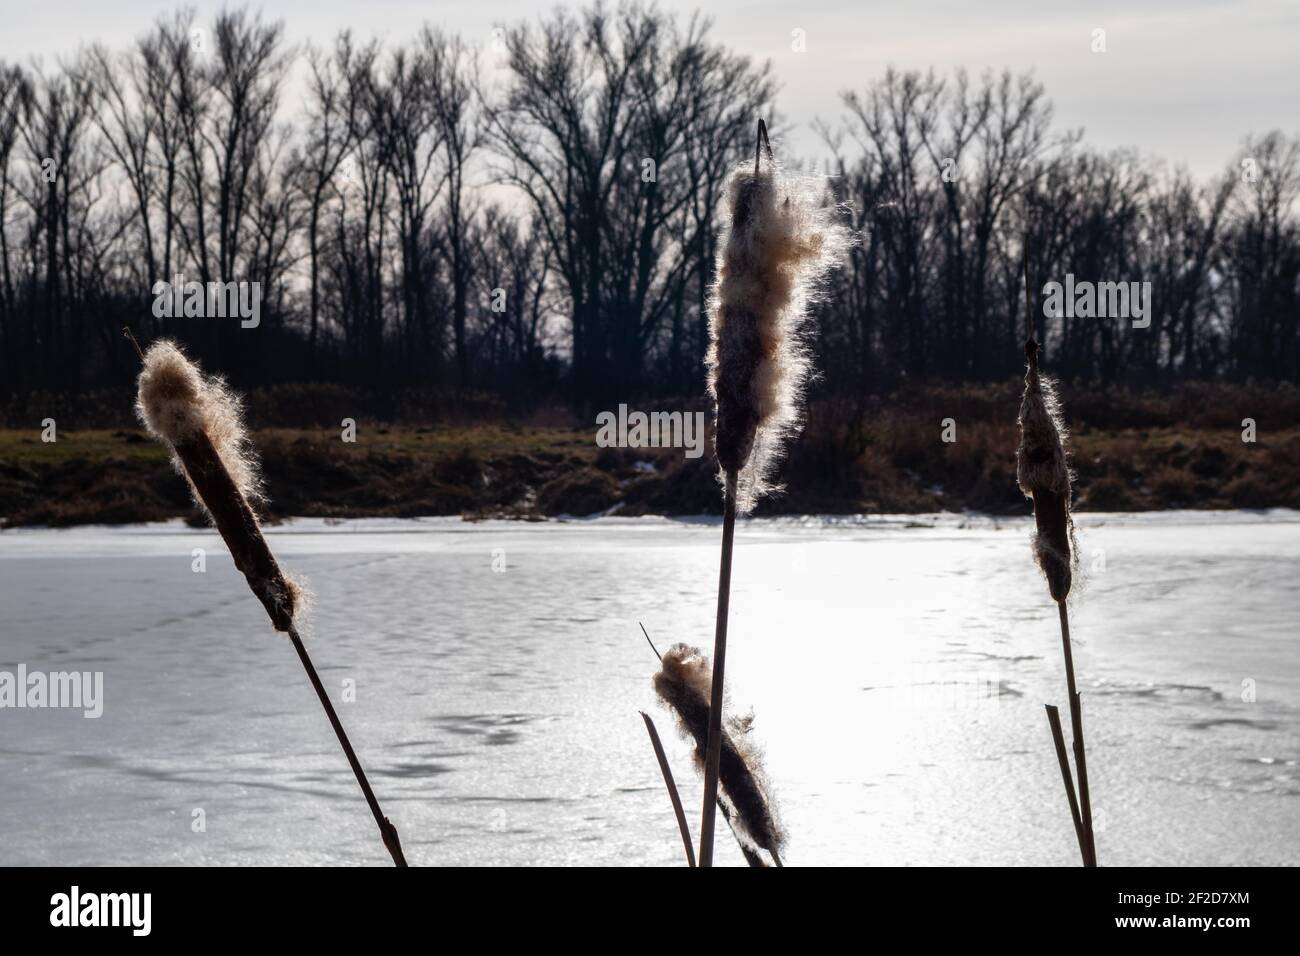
684,683
778,240
1043,472
201,421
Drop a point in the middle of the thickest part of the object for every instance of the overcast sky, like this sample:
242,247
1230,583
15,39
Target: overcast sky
1182,80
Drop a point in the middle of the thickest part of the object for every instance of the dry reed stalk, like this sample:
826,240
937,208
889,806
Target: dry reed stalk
200,420
671,784
1043,473
778,239
1058,739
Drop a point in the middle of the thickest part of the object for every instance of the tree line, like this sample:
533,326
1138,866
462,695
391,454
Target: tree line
537,215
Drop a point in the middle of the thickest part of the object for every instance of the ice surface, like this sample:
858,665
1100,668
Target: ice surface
897,667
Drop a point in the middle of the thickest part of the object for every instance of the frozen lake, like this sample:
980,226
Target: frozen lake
897,668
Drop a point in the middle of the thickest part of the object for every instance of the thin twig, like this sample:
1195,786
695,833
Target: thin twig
650,642
713,753
126,332
1058,736
671,785
386,828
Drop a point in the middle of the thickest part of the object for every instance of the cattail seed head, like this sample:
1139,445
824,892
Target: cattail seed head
1043,473
778,240
176,402
200,420
684,683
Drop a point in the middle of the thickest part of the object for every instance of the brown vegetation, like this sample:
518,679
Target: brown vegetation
1130,453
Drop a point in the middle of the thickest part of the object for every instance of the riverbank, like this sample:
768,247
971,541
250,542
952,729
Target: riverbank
891,460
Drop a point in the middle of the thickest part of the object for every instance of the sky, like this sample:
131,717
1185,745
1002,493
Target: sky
1184,80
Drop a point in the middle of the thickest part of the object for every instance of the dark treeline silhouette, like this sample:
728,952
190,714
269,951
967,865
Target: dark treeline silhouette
538,217
952,180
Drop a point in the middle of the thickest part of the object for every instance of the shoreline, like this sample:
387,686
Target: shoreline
898,521
504,471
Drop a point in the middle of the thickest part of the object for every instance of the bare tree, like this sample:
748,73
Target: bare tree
329,123
452,74
593,133
62,169
514,271
15,95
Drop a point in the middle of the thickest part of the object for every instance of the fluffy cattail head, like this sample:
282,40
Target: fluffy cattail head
684,682
177,402
778,239
199,418
1043,472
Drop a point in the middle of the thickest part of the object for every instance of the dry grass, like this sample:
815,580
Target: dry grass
884,457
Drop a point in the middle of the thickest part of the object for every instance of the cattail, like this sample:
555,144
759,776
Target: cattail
778,239
683,683
201,421
1043,473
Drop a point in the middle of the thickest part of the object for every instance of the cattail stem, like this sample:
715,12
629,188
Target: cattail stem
1076,727
1081,763
1080,806
1030,326
1065,646
760,141
713,753
386,829
1058,737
